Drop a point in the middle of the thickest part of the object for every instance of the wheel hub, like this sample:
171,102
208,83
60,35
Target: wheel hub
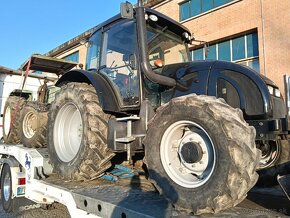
7,120
191,152
187,154
67,132
29,124
270,154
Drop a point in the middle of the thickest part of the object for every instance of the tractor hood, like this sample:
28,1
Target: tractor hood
180,71
268,81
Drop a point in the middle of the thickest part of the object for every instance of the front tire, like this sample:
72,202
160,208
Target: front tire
77,133
11,119
201,154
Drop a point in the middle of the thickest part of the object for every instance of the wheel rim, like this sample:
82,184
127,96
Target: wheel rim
187,154
29,125
7,187
7,120
270,154
67,132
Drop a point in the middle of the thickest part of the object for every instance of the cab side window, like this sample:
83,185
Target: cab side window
94,48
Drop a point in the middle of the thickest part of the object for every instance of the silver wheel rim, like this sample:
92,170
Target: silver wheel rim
7,120
7,187
67,132
270,157
183,173
29,125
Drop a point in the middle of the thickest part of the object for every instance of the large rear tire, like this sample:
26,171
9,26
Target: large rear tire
34,125
12,119
77,133
201,154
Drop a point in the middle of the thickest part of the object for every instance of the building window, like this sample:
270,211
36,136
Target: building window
72,57
242,50
193,8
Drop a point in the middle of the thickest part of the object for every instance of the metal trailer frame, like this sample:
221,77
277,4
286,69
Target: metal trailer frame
34,164
88,199
84,199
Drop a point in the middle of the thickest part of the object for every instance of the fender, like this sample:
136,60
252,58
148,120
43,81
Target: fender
104,89
11,161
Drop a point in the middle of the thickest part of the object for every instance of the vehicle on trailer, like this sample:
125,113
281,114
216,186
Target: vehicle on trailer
141,94
25,115
10,85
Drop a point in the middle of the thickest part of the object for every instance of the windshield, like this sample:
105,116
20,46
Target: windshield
164,46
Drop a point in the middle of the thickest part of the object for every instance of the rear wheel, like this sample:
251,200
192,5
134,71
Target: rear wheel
34,125
77,133
201,154
6,189
11,119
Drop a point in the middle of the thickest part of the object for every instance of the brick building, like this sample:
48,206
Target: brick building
250,32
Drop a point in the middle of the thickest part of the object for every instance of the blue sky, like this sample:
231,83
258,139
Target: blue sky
37,26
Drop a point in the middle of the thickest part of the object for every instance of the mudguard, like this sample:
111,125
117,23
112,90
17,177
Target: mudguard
107,96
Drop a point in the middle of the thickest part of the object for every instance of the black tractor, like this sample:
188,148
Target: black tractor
191,123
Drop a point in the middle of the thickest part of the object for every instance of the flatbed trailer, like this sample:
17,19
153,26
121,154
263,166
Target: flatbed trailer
32,178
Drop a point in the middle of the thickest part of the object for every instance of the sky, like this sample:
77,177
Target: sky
38,26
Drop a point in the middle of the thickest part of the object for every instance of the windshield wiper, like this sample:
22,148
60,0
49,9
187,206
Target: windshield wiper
158,34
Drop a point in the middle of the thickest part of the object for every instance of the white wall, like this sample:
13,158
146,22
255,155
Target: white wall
10,82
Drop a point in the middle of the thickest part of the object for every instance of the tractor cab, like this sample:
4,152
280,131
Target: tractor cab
132,53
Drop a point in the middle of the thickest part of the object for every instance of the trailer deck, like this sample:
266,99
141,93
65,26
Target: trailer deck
132,197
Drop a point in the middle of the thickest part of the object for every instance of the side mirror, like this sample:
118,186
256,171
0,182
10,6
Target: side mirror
127,10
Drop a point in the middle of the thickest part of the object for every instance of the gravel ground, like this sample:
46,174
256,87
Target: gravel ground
35,211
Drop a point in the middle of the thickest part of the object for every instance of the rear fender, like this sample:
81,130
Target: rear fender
107,96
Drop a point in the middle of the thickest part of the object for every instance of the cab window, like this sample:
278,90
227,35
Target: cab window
118,51
94,45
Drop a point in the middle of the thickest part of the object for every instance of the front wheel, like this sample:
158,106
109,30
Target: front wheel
201,154
77,133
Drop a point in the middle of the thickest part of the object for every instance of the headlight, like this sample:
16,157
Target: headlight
277,93
271,90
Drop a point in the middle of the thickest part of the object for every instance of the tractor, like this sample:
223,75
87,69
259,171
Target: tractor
202,129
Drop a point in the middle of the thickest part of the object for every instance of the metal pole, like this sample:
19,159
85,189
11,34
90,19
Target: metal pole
140,3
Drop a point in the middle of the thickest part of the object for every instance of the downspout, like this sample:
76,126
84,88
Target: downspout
263,34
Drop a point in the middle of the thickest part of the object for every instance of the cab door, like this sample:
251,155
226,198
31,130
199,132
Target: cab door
119,61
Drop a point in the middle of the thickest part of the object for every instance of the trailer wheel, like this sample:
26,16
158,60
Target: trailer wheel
6,189
34,125
201,154
12,110
278,158
77,133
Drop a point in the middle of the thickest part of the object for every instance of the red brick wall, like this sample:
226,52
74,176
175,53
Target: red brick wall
242,16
